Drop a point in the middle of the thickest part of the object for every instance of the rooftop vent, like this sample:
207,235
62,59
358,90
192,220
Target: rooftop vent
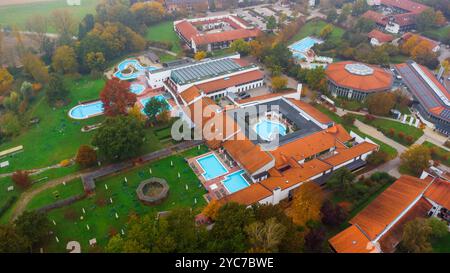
359,69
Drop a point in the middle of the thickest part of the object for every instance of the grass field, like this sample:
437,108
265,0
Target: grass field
439,153
442,245
313,28
383,146
100,213
384,125
163,32
19,14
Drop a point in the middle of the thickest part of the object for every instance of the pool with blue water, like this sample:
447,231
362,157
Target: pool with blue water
235,182
268,130
84,111
212,167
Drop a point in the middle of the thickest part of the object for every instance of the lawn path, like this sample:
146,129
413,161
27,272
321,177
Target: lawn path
27,195
163,50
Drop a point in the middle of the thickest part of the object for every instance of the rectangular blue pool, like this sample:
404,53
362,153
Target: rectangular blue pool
304,44
212,167
235,182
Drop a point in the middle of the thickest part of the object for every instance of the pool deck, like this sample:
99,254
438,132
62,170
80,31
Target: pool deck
220,191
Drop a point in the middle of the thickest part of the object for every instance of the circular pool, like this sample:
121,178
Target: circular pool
137,88
268,129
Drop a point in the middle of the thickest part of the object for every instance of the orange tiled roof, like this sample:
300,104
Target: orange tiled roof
266,96
248,196
430,44
389,241
380,80
407,5
186,29
439,192
296,175
248,154
375,16
190,94
226,36
345,155
216,85
313,144
352,240
380,36
389,205
312,111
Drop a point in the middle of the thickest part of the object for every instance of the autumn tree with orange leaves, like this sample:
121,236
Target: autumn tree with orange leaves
116,97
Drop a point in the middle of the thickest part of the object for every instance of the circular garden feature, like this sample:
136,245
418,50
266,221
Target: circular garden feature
153,191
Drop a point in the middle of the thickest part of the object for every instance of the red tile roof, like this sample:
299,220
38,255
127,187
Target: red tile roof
248,196
380,36
216,85
389,205
310,145
345,155
352,240
439,192
312,111
379,80
407,5
266,96
190,94
375,16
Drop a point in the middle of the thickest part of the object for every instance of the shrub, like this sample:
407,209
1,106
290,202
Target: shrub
86,156
391,132
377,158
9,202
369,117
21,179
401,135
348,119
64,163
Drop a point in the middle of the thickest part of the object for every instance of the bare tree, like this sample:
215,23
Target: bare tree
37,24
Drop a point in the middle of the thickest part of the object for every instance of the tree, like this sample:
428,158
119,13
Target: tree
426,19
416,159
279,83
64,24
438,227
332,15
155,107
315,239
271,23
348,119
33,225
119,137
326,31
11,241
227,234
439,19
416,236
256,48
64,60
332,215
200,55
116,97
95,61
380,104
148,13
21,179
136,112
341,181
35,67
306,204
37,24
26,90
10,124
6,80
86,156
56,91
241,46
86,25
377,158
212,209
265,236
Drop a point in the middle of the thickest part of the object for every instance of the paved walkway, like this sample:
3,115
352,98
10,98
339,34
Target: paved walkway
163,50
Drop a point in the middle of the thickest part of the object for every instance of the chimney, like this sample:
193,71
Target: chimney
276,196
299,91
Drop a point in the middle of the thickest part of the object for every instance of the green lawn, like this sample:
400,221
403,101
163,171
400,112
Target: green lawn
440,34
100,213
313,28
163,32
57,136
392,152
385,125
442,245
19,14
440,154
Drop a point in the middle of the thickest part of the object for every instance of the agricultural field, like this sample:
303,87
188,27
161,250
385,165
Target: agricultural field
19,11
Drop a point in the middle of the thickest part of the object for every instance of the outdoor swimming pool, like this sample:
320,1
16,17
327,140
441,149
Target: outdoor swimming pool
139,69
304,44
211,166
159,97
235,182
84,111
267,129
137,88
